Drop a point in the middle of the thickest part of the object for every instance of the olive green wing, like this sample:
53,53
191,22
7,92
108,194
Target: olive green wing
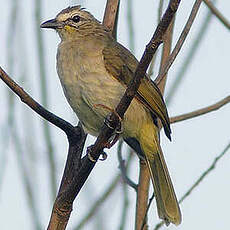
121,64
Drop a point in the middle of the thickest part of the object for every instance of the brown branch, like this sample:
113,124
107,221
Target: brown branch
179,43
146,212
76,139
200,112
28,100
142,197
165,54
217,13
63,204
111,15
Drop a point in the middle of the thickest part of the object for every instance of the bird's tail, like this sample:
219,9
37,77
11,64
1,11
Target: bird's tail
167,204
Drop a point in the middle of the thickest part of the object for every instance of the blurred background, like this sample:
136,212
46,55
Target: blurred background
33,152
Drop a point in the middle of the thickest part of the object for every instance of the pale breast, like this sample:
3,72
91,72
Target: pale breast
92,92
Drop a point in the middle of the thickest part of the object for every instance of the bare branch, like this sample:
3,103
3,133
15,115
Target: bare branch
28,100
165,53
123,169
124,208
142,197
146,212
111,15
205,173
189,57
217,13
200,112
179,43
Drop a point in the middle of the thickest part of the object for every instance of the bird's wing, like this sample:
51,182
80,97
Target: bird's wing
121,64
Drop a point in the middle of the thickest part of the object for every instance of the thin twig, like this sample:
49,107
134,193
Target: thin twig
199,112
26,180
13,23
142,197
203,175
123,169
44,99
153,62
146,212
110,15
165,54
217,13
28,100
130,25
124,209
189,57
180,42
160,9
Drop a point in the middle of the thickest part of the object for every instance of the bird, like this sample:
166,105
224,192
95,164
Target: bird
94,71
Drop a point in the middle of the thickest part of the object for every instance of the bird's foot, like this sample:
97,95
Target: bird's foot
91,158
108,123
117,132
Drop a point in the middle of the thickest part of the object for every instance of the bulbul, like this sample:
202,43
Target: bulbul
94,70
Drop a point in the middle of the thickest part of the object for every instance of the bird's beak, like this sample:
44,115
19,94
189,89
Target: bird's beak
52,24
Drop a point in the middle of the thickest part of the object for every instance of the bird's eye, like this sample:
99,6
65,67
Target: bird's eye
76,18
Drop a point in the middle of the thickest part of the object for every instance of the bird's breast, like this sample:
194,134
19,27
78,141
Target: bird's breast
92,92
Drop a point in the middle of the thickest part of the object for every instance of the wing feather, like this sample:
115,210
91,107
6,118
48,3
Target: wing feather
121,64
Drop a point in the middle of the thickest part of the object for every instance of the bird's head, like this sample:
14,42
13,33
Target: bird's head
73,23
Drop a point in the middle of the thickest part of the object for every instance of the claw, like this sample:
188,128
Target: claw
89,155
104,156
113,141
107,122
117,133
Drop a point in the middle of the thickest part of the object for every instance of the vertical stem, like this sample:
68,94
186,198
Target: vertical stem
189,57
26,180
142,196
160,9
44,98
165,53
110,15
130,25
13,19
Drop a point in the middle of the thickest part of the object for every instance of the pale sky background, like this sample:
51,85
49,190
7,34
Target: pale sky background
195,143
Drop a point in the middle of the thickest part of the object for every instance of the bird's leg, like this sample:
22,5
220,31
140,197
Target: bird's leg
116,135
107,122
